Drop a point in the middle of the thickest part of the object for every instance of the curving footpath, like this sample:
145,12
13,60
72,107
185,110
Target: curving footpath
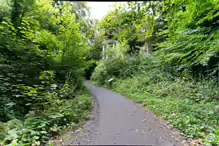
122,122
119,121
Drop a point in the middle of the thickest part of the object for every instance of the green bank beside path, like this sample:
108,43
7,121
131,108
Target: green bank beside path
195,119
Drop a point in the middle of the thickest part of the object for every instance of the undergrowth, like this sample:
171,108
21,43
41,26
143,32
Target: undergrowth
52,110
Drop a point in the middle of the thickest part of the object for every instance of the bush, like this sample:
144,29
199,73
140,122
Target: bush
106,69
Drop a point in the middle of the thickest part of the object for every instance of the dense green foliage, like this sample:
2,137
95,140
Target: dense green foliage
43,50
170,62
184,33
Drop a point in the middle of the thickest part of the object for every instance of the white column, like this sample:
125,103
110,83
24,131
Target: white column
103,51
106,50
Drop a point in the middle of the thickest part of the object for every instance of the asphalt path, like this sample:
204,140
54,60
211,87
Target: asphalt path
120,121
